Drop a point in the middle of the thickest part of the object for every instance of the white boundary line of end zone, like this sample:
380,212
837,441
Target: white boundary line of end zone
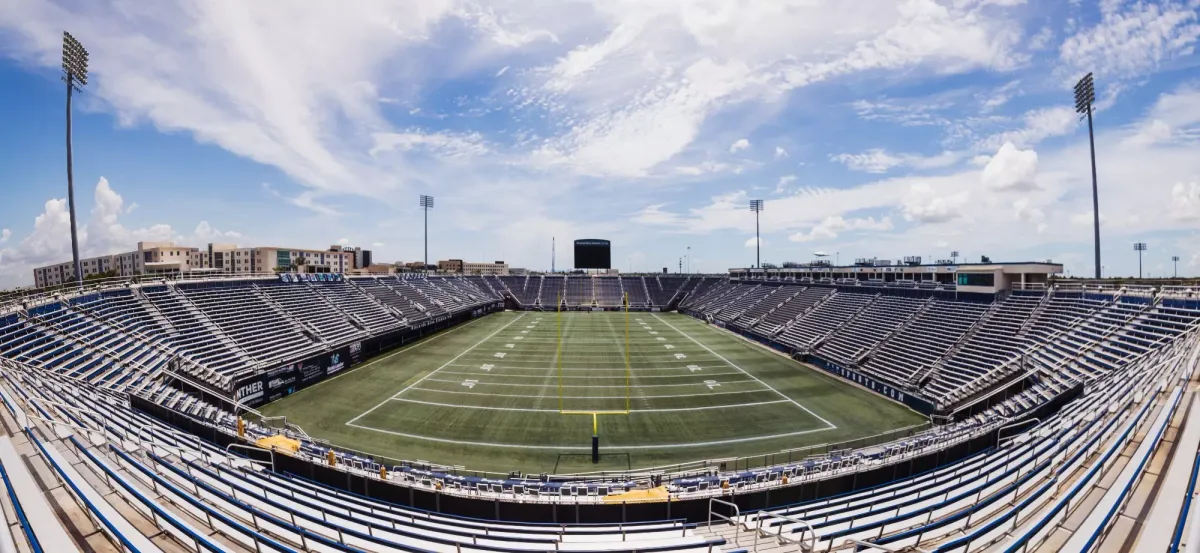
431,373
588,448
731,364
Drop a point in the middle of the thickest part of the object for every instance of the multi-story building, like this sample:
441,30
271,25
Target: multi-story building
166,257
266,259
148,258
362,258
472,268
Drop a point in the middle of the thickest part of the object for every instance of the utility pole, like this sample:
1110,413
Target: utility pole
757,206
426,204
1175,260
1139,247
75,68
1085,96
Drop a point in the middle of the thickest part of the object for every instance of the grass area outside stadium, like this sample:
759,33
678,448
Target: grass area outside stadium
491,395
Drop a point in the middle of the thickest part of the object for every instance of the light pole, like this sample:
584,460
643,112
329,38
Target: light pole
1175,260
689,259
1139,247
426,205
757,206
75,67
1085,96
954,257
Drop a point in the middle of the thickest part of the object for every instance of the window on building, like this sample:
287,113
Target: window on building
976,279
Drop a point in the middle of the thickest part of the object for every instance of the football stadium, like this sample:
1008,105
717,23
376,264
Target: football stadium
252,399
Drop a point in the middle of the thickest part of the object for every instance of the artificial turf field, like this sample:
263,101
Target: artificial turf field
504,393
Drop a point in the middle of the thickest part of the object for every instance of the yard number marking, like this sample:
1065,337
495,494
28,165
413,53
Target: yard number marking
500,354
712,384
680,356
470,383
692,368
669,346
487,367
510,346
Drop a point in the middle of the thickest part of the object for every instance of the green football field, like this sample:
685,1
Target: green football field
522,391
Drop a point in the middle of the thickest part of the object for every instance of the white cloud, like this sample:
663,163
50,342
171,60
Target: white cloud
1000,96
881,161
104,233
1185,201
377,244
131,207
831,227
1032,215
5,234
739,145
1133,39
781,186
343,241
753,241
502,71
1036,126
1011,169
925,205
780,153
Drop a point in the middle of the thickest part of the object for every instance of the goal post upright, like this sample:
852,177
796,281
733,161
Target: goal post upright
558,304
628,370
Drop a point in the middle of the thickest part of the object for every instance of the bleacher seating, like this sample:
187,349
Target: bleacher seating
551,291
781,316
580,291
608,291
128,478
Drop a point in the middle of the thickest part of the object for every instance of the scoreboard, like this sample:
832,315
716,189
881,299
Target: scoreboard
591,253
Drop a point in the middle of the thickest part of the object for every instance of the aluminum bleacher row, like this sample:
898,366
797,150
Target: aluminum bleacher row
148,487
1010,498
220,329
949,351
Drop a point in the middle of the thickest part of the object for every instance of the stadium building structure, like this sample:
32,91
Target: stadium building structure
127,399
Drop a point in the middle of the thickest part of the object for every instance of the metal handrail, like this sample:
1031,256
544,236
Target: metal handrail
780,537
737,513
251,448
852,541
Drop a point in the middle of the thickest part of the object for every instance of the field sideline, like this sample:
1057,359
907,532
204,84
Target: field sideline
491,395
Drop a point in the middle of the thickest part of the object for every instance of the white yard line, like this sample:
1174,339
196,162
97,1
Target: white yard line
419,389
522,409
496,367
621,385
731,364
464,352
690,374
420,343
588,448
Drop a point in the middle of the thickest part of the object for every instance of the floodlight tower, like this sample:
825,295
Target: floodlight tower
75,67
1139,247
757,206
954,257
1175,260
426,205
1085,96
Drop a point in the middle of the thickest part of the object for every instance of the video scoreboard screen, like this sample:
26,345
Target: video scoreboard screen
593,254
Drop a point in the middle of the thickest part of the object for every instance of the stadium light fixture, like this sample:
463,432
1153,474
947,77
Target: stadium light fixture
1175,260
1085,96
426,205
1139,247
757,206
75,68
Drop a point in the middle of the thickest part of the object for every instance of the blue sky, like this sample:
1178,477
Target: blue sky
874,128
